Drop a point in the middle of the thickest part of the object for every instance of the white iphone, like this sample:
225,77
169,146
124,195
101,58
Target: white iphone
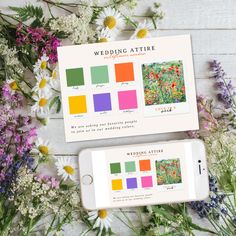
143,174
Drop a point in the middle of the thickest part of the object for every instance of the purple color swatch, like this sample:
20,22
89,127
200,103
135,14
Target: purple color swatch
102,102
131,183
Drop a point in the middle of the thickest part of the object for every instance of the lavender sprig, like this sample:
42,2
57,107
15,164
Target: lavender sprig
216,208
226,91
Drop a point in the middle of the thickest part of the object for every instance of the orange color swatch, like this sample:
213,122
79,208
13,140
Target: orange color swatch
144,165
124,72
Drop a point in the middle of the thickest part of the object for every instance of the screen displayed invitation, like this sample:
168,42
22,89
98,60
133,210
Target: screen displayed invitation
146,174
127,88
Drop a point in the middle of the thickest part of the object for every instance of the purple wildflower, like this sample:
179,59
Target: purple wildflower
226,91
41,41
50,181
17,135
13,98
213,206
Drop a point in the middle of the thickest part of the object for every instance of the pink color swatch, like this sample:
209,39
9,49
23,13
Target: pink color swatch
146,181
127,99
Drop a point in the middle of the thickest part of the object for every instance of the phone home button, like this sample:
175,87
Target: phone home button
87,179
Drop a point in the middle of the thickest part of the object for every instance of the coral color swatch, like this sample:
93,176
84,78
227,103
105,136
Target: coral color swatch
124,72
145,165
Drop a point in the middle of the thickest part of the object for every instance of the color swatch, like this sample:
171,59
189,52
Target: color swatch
102,102
77,104
130,166
131,183
124,72
75,77
145,165
115,168
99,74
146,181
117,184
127,99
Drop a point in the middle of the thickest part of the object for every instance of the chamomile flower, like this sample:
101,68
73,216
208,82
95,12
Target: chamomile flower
41,64
41,106
43,147
110,18
100,220
104,35
42,83
54,80
67,168
142,30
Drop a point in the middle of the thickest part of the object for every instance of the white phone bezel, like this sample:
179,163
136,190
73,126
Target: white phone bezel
200,168
88,196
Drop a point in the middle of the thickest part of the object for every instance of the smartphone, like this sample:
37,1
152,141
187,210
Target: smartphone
143,174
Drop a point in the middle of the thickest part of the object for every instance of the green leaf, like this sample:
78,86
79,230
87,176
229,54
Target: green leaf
55,101
27,12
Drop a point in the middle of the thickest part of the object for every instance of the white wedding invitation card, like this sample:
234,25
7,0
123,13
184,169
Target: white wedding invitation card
128,88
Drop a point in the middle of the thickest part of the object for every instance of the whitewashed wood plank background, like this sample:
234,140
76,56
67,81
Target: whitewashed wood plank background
212,25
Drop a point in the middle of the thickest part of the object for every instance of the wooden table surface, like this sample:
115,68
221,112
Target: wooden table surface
212,25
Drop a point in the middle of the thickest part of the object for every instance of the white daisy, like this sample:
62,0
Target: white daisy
100,220
104,35
142,31
44,147
110,18
42,83
41,64
67,168
41,106
54,80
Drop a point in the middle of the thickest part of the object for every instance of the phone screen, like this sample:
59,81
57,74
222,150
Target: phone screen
146,174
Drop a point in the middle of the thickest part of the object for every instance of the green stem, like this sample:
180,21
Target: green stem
11,17
50,11
29,227
130,21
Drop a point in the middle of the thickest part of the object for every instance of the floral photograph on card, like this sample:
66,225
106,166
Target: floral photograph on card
163,83
168,172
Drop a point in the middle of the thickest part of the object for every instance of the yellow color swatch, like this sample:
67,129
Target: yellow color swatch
116,184
77,104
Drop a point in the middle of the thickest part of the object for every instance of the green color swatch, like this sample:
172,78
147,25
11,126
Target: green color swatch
99,74
115,168
130,166
75,77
